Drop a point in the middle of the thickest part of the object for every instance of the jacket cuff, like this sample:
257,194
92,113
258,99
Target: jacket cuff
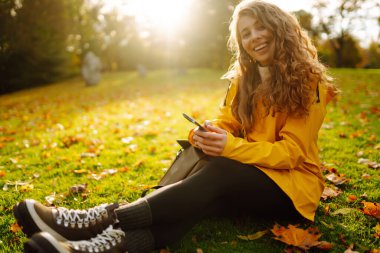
229,145
190,137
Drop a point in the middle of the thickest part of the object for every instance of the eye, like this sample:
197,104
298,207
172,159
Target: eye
245,35
260,28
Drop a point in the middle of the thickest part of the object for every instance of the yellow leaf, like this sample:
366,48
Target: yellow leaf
377,231
254,236
81,171
26,187
292,235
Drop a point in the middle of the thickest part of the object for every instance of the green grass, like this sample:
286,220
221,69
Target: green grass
44,131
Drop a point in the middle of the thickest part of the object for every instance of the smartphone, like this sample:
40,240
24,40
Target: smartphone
193,121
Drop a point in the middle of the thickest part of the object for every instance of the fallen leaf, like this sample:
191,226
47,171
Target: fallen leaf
372,209
343,211
86,154
14,228
329,192
351,198
337,179
50,199
372,138
370,164
360,153
26,187
254,236
377,231
366,176
2,173
78,188
199,250
80,171
349,250
325,245
292,235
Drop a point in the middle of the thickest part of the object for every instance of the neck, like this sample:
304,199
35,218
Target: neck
264,72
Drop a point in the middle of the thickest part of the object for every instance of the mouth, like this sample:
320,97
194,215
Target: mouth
260,47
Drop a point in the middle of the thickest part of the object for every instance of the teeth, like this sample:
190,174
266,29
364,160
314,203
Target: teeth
260,47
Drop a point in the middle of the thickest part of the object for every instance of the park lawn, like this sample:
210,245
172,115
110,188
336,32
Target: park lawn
117,139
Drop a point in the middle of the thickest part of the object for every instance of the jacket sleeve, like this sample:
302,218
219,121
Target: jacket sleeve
289,150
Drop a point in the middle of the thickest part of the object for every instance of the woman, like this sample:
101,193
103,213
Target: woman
263,147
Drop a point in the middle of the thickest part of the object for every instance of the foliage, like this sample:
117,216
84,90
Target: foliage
337,26
34,36
74,146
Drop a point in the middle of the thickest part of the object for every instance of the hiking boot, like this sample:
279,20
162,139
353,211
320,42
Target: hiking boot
62,223
109,241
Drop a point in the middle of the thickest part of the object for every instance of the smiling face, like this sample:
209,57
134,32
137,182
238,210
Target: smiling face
256,40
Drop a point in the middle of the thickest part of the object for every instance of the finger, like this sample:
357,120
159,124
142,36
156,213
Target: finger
210,149
216,129
212,143
207,123
209,135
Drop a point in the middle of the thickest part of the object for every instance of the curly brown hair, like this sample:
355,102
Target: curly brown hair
294,69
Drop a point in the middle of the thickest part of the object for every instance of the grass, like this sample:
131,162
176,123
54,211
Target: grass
129,124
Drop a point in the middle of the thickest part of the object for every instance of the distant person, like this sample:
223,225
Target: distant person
263,149
91,69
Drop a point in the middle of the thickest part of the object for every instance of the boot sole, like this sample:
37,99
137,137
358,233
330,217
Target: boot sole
43,243
24,219
30,222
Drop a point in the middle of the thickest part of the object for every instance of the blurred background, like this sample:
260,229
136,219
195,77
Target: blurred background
43,41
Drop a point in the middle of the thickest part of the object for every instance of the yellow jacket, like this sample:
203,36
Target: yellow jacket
283,147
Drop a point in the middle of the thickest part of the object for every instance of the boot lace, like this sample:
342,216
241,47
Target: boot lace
81,217
106,240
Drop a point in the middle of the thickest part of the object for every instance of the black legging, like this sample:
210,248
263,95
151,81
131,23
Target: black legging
222,187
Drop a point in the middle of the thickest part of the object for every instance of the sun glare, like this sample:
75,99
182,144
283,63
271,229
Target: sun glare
166,15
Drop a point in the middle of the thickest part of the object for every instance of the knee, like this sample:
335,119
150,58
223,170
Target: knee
218,166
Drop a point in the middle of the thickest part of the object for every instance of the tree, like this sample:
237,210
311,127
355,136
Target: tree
337,26
35,44
373,55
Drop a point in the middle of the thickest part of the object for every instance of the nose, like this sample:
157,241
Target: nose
255,34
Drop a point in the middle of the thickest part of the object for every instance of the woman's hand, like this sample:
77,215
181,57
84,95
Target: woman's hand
211,142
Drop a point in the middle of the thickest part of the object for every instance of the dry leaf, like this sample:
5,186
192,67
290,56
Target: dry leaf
78,188
329,192
349,250
14,228
85,154
372,209
2,173
370,164
377,231
303,239
342,135
343,211
254,236
337,179
351,198
80,171
360,153
366,176
199,250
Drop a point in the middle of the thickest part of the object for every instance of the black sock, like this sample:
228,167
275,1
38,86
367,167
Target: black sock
134,215
139,241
